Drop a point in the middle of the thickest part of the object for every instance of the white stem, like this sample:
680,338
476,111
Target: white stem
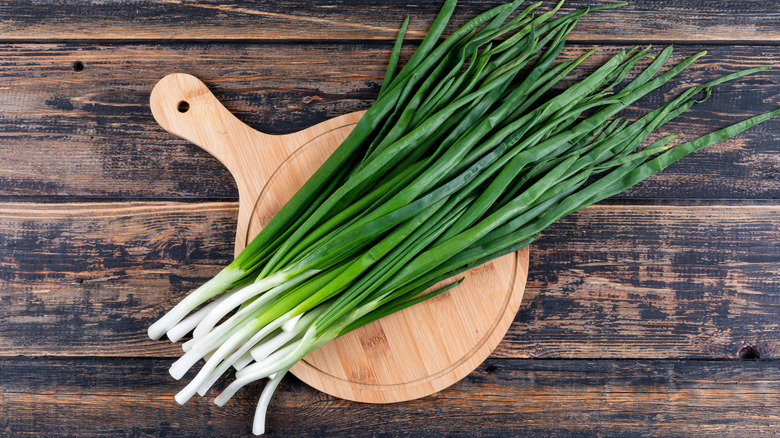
280,279
243,361
290,325
210,381
181,366
258,425
271,364
216,285
280,361
206,332
228,347
235,352
285,356
263,350
205,346
187,324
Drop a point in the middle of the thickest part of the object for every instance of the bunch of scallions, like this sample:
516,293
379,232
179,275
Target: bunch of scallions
465,156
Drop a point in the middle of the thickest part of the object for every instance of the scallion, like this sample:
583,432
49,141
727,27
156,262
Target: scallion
464,157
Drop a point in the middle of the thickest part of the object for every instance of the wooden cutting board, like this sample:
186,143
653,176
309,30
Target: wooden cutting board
410,354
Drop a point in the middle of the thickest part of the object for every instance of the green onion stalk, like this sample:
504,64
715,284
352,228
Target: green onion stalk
465,156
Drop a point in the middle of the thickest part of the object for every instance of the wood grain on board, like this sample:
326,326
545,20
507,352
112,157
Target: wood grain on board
640,20
91,134
134,397
607,282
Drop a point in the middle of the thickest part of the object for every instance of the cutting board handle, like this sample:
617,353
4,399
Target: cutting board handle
185,107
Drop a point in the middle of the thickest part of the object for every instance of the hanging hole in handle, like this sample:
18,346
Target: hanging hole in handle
183,106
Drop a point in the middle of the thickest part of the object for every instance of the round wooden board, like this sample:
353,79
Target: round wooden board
407,355
415,352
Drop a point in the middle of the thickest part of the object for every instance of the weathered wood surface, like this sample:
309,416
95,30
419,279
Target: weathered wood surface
641,20
91,134
607,282
663,272
133,397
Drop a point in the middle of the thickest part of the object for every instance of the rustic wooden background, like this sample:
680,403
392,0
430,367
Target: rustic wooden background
655,313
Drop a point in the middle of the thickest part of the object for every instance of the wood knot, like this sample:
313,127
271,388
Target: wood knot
749,352
309,99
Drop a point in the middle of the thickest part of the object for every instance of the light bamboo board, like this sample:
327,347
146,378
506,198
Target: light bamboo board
410,354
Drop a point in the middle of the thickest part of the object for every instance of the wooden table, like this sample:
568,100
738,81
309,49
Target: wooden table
643,317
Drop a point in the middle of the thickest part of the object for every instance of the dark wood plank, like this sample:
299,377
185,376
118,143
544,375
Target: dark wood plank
641,20
83,397
611,281
90,133
608,282
93,275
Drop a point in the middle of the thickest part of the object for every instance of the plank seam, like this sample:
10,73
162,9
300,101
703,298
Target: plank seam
375,42
485,363
672,202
